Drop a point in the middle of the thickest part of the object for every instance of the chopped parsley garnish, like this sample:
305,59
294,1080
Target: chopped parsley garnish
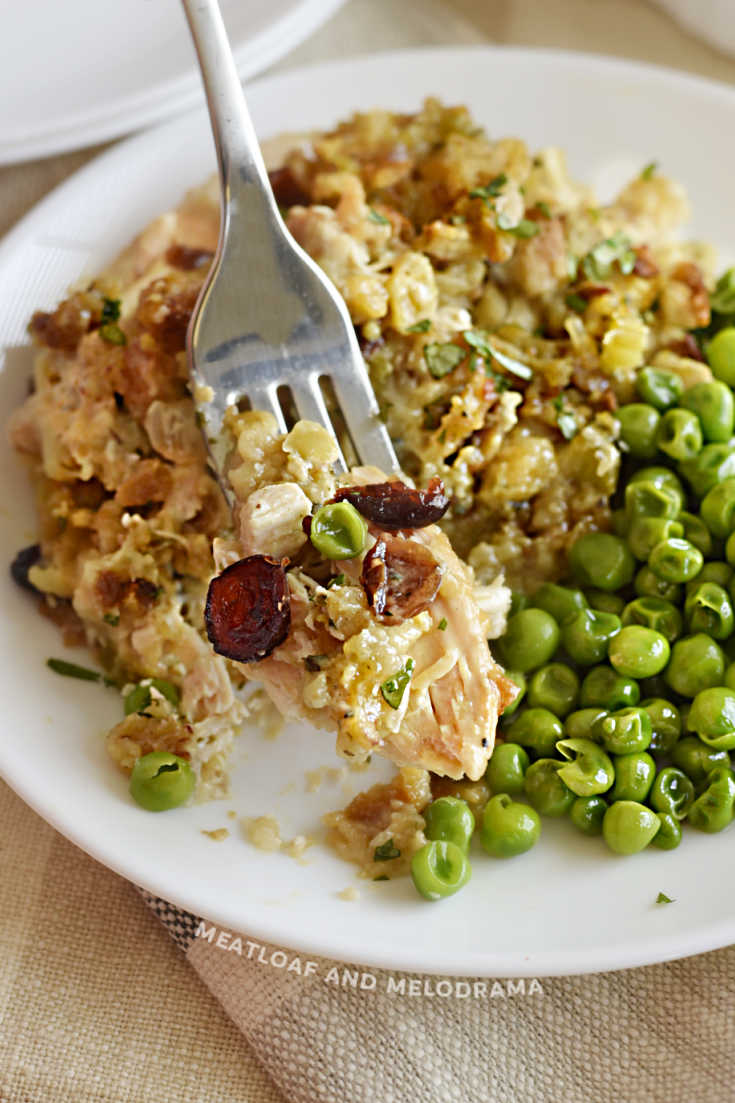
420,327
491,190
382,877
565,418
649,171
112,618
457,220
113,334
598,263
110,311
576,302
662,898
441,359
394,688
480,340
376,216
71,670
336,581
544,208
525,228
443,624
386,852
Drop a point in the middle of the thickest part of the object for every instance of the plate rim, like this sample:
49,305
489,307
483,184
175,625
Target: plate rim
654,948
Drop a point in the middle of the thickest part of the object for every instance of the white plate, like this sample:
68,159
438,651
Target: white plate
81,72
568,906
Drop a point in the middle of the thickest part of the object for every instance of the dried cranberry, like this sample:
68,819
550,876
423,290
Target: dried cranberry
21,565
400,577
395,506
248,611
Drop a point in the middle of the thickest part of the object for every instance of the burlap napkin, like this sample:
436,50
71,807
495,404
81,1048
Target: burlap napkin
333,1033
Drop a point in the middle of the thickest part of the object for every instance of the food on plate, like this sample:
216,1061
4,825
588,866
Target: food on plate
556,375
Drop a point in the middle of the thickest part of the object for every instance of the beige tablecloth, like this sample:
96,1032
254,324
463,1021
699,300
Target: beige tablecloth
97,1002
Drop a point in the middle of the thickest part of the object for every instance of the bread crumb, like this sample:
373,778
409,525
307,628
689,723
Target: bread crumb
296,847
350,893
316,778
264,714
218,834
232,814
264,832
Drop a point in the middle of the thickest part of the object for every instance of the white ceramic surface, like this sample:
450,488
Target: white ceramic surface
568,906
711,20
81,72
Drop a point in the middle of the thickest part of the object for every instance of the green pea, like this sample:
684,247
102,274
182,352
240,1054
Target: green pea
579,724
624,732
586,636
629,827
140,698
721,573
518,601
696,759
646,532
708,609
530,639
668,835
696,532
338,531
449,819
713,464
506,769
652,499
508,828
712,717
676,560
537,729
560,602
656,613
648,584
730,552
665,723
554,687
546,790
718,508
602,560
440,869
696,663
587,814
679,435
654,687
639,652
658,388
603,602
729,678
638,427
161,781
720,353
634,774
713,809
518,680
589,770
672,792
604,687
714,406
659,476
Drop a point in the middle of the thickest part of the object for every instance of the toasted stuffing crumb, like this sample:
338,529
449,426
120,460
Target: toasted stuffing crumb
218,834
296,847
264,714
350,893
264,832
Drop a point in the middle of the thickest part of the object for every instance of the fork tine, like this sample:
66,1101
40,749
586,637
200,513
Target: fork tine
265,398
360,410
310,404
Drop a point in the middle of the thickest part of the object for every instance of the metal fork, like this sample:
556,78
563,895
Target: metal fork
267,317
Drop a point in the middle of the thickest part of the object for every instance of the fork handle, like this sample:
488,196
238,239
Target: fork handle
241,166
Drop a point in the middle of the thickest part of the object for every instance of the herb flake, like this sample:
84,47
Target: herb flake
662,898
338,580
386,852
524,229
376,216
576,302
420,327
110,311
598,263
442,359
649,171
72,670
565,419
113,334
544,208
394,688
491,190
443,624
